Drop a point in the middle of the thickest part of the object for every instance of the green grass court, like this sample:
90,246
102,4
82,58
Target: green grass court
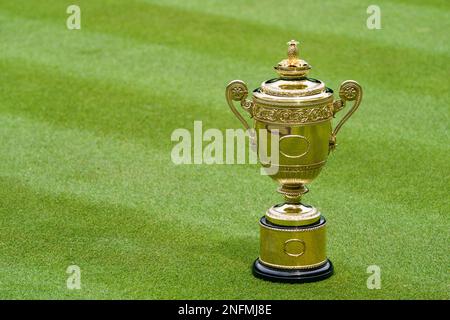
87,178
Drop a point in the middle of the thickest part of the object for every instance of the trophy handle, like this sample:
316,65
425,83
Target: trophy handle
237,91
349,90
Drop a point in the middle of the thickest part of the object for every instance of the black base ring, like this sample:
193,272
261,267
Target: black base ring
292,275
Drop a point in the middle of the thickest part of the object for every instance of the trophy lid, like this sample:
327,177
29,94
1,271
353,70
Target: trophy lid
293,87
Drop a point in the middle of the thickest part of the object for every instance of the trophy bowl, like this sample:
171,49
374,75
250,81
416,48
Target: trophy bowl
297,112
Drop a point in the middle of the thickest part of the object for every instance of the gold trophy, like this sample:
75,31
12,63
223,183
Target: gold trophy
300,110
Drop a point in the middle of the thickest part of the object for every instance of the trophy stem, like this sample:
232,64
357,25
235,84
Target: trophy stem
292,199
292,193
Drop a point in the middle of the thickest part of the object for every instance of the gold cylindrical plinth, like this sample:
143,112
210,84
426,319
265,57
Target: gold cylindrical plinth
293,247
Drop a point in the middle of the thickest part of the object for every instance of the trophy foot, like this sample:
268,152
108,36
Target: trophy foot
292,214
292,275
